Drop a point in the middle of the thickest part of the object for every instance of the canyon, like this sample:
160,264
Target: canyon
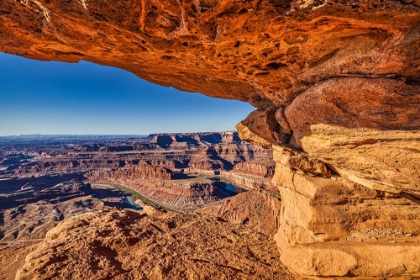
45,180
336,85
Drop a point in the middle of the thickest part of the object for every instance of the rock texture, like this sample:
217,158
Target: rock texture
155,183
340,226
248,182
336,86
260,169
152,245
12,257
257,209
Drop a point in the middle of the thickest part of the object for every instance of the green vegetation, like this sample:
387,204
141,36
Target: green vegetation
135,195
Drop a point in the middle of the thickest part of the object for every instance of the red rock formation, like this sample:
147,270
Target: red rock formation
28,213
65,165
340,78
257,209
13,257
129,245
264,169
159,184
148,172
248,182
204,166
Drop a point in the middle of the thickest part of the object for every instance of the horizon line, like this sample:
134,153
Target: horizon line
40,135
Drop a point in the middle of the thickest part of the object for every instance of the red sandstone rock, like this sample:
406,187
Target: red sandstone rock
152,245
257,209
264,169
342,79
159,184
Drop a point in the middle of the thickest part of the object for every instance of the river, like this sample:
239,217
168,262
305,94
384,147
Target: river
128,200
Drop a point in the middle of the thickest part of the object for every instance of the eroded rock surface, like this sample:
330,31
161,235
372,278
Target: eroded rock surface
152,245
341,226
13,255
336,86
257,209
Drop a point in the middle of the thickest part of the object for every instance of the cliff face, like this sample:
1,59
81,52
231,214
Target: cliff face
336,85
261,169
257,209
175,140
159,184
248,182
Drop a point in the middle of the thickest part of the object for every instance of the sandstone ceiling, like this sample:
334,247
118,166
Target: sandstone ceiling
266,52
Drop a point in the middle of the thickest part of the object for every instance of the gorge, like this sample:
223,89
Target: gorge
46,180
336,85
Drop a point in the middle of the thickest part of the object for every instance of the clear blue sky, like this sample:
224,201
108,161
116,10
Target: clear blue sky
84,98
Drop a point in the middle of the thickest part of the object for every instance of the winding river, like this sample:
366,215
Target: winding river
130,202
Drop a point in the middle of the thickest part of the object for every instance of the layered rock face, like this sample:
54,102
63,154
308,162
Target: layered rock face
252,174
337,88
261,169
155,182
182,140
257,209
248,182
342,226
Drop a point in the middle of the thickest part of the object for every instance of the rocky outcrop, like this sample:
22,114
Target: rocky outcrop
331,217
257,209
248,182
137,172
203,165
128,245
184,194
336,86
264,169
222,48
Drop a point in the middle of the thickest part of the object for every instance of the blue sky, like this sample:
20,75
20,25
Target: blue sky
84,98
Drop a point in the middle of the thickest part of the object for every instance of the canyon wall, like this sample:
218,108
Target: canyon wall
252,174
257,209
336,85
158,184
248,182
